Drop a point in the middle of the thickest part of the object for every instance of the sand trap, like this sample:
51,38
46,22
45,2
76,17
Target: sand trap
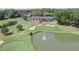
32,28
50,25
1,42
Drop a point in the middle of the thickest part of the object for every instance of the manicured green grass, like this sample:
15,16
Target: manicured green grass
16,46
19,20
57,29
22,40
20,36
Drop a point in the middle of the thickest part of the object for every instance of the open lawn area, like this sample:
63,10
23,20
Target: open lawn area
21,41
18,40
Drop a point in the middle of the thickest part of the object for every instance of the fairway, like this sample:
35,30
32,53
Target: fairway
13,40
16,46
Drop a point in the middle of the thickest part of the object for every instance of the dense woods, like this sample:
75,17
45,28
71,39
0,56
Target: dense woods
63,16
68,17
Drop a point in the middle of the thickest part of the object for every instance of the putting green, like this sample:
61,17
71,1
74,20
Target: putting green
16,46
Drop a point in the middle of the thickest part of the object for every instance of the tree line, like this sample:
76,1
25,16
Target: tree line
14,13
8,13
68,17
63,16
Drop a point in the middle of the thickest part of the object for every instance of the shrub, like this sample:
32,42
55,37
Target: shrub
10,23
4,25
8,33
31,34
19,27
24,17
4,30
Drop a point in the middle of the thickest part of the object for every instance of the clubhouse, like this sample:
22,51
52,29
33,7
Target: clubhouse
41,19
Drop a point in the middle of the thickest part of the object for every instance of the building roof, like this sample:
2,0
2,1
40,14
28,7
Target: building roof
41,17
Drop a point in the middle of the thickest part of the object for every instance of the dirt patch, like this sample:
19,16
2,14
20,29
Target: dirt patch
50,25
1,42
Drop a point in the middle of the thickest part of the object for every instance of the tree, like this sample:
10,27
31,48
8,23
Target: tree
24,17
31,34
19,27
64,17
9,13
10,23
1,15
4,30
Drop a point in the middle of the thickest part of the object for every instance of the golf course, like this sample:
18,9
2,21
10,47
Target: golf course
22,41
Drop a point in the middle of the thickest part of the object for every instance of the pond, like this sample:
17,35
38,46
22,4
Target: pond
45,41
